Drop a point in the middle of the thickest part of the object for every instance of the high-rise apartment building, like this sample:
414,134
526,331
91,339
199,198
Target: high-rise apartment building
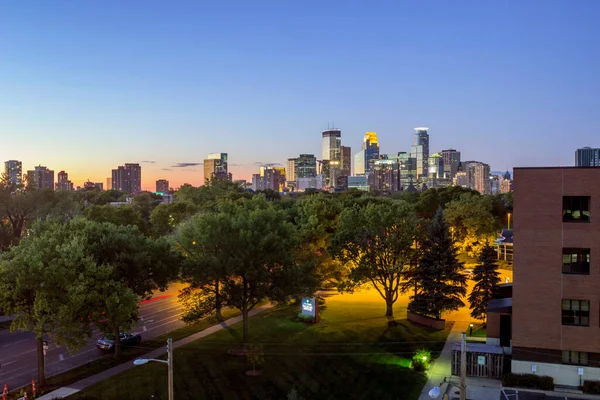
451,162
587,157
346,161
63,182
216,166
556,290
41,178
14,171
127,178
420,151
505,185
162,186
290,171
479,177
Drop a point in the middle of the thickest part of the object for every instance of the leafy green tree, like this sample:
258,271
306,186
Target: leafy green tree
35,278
145,203
166,217
473,224
122,215
441,285
18,209
486,277
376,243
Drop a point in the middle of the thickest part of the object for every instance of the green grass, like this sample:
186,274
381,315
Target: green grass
350,354
129,353
479,330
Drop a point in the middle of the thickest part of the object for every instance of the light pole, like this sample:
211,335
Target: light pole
169,362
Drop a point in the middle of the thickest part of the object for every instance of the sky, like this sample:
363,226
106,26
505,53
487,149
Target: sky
86,86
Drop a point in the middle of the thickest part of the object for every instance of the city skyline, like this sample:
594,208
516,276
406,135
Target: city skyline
493,81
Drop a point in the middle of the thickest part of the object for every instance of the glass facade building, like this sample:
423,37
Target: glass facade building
420,151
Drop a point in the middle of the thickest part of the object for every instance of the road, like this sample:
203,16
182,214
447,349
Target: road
18,362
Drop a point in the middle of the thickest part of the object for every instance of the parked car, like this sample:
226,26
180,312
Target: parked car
107,342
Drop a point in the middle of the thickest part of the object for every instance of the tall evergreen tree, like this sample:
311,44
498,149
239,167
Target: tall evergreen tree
440,284
486,277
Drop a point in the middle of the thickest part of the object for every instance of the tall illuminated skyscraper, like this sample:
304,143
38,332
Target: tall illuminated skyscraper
14,171
216,166
332,143
420,151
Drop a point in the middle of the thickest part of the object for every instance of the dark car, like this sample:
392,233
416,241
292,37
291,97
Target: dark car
107,342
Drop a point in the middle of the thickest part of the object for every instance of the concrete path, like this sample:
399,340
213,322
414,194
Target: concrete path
84,383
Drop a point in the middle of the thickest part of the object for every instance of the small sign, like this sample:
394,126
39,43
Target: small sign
309,306
580,371
481,360
45,351
533,368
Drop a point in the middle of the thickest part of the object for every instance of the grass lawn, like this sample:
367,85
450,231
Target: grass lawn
351,354
479,330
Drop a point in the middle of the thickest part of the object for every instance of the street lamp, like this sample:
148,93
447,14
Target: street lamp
470,329
169,362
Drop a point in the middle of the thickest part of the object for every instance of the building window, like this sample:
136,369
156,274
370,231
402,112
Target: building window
576,261
576,312
575,357
576,209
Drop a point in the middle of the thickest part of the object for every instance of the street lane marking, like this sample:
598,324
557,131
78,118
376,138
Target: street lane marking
17,342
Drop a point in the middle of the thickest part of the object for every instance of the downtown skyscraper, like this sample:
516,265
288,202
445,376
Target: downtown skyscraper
366,157
420,151
216,167
331,156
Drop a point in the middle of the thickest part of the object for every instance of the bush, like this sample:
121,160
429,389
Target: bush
592,387
305,318
421,360
528,381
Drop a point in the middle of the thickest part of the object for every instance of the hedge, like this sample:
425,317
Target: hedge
530,381
592,387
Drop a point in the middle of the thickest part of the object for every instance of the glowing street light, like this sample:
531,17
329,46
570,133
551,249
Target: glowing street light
169,362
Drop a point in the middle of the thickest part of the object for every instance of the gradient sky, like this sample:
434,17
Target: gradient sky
86,86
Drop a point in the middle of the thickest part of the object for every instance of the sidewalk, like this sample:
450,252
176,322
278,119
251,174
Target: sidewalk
64,392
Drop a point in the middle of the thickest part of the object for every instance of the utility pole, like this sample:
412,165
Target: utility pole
463,367
170,367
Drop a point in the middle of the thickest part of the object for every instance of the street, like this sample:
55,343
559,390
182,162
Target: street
18,362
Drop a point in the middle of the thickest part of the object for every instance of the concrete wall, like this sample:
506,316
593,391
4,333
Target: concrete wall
563,374
426,321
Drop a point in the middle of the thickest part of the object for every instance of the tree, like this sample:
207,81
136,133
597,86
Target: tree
376,242
35,278
441,285
472,222
18,206
486,277
122,215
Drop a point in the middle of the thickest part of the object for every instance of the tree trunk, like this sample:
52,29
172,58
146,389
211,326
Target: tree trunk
41,362
245,313
389,304
117,344
218,305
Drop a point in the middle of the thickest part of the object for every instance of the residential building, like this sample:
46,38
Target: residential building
479,177
587,157
420,151
14,171
451,162
162,186
556,291
505,185
346,161
216,167
63,182
41,178
127,178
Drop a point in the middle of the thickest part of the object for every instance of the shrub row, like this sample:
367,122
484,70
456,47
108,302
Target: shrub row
528,381
592,387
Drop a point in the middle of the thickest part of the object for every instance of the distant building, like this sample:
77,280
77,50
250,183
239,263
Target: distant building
269,178
162,186
127,178
461,179
216,166
359,163
436,168
383,176
451,162
587,157
244,184
332,155
495,184
63,182
305,166
41,178
505,185
108,183
290,171
360,182
315,182
366,157
89,185
420,151
14,171
479,177
346,165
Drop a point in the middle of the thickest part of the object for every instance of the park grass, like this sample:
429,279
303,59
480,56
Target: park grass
479,330
129,353
351,354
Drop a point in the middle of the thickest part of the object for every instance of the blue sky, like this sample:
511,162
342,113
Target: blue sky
88,85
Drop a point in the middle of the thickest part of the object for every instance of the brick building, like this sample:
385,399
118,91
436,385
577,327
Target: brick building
556,290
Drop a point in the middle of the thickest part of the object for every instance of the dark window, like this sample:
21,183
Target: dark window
576,261
576,209
575,357
576,312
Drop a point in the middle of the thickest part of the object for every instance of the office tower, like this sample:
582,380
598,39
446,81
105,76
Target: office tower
306,166
290,171
346,165
420,151
436,169
216,166
127,178
360,182
451,161
405,168
14,171
108,183
359,163
384,176
555,320
332,143
587,157
63,182
41,178
269,178
162,186
364,159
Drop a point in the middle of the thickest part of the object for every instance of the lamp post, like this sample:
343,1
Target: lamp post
470,329
169,362
509,215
